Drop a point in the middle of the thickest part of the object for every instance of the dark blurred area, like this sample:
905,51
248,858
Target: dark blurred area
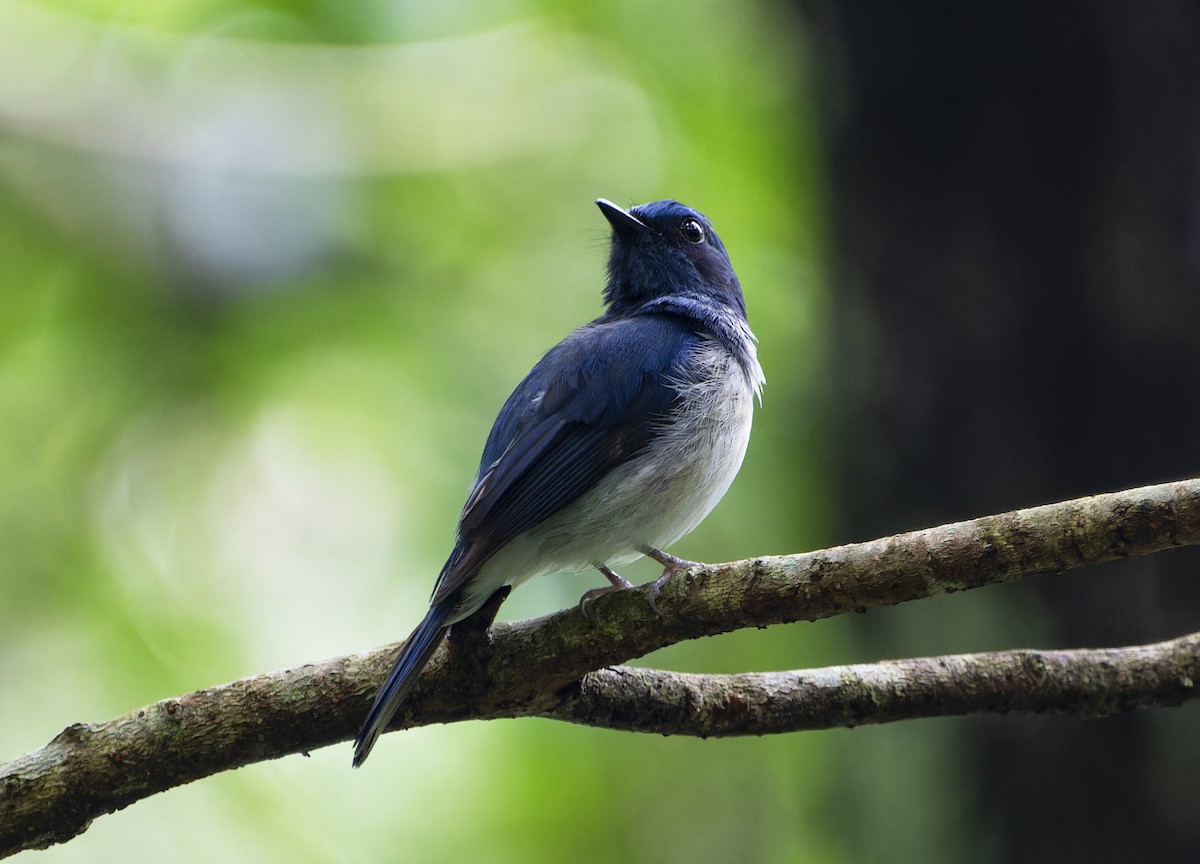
1015,194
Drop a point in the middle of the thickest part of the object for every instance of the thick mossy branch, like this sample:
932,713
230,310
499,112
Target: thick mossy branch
535,667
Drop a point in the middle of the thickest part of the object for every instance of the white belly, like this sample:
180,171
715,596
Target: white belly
652,500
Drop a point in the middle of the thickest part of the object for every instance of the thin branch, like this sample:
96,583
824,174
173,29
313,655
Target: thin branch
521,669
1081,682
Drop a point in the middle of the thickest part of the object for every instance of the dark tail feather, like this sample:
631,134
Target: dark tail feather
413,657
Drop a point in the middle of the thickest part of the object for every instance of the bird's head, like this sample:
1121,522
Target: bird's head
665,249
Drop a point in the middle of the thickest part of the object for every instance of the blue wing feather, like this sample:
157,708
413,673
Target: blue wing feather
562,430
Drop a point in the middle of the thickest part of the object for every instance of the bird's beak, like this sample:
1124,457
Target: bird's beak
624,223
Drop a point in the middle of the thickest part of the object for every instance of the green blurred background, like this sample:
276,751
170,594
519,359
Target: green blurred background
266,275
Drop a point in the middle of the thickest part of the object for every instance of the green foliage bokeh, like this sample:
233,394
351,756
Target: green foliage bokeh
267,275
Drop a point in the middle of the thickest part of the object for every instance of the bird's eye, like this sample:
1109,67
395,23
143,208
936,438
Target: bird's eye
692,231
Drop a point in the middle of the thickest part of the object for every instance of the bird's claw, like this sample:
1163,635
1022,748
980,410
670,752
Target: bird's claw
672,566
594,594
655,587
617,582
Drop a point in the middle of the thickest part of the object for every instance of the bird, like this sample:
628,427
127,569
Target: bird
619,442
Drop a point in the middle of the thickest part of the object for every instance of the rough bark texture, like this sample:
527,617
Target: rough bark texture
1084,682
527,668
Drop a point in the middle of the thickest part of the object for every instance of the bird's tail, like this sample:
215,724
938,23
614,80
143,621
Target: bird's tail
413,657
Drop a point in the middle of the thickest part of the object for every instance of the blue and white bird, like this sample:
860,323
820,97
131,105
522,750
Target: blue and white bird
619,442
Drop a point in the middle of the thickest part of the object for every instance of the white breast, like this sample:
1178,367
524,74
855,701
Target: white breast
655,498
695,460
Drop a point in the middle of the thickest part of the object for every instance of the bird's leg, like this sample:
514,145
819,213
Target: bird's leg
616,583
672,566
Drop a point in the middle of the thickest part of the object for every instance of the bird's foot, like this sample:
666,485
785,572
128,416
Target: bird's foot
617,582
672,566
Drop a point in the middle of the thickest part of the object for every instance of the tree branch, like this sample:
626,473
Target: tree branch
1083,682
528,668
